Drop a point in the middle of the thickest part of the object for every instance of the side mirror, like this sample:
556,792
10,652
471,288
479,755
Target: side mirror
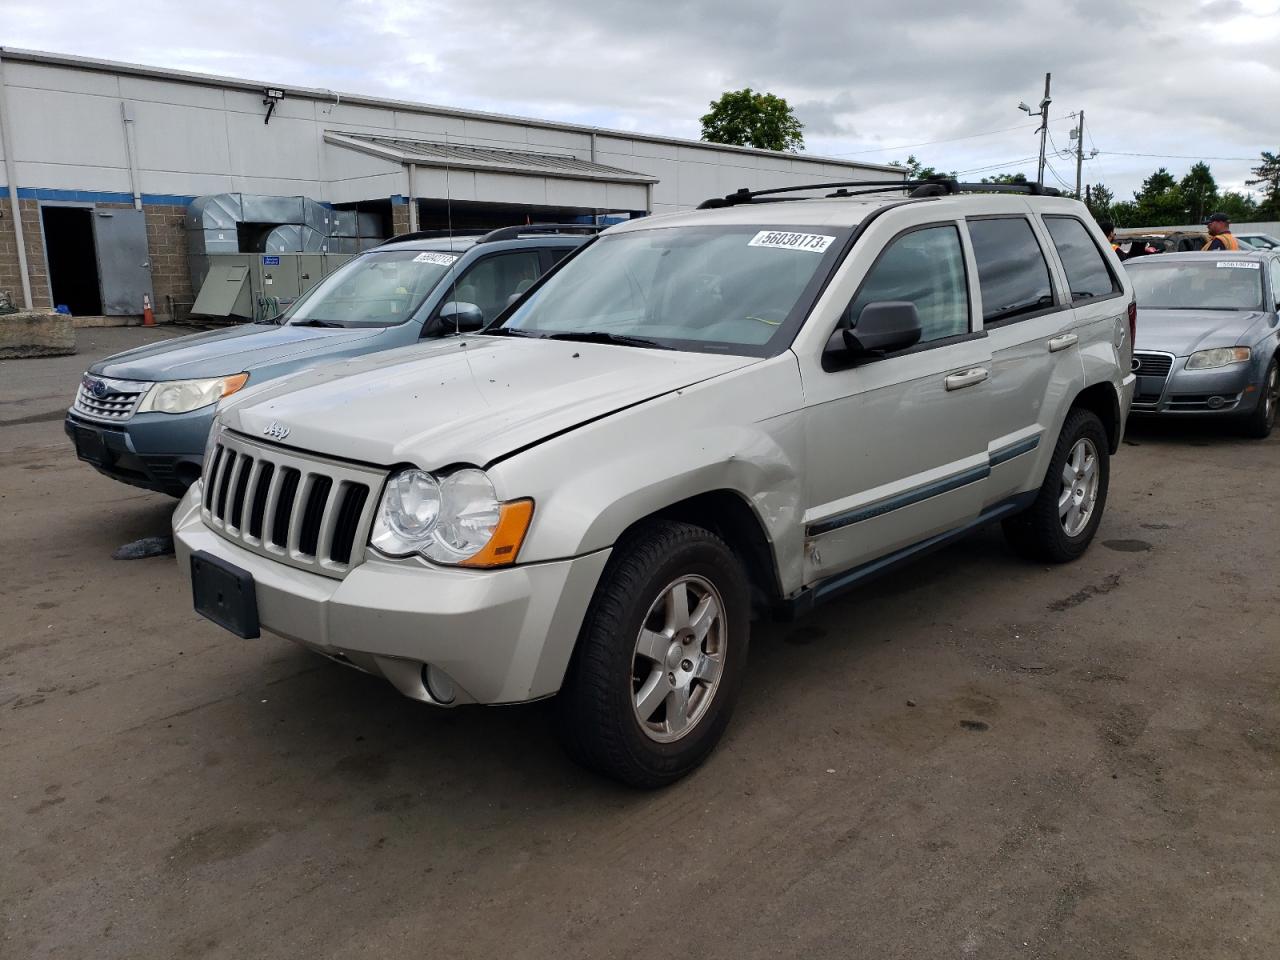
882,327
461,316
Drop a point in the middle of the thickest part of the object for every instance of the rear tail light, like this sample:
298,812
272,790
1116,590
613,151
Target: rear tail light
1133,323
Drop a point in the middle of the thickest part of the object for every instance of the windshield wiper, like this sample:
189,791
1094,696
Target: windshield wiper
599,336
313,323
510,332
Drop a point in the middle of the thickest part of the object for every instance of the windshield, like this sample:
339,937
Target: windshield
728,289
373,290
1203,285
1260,242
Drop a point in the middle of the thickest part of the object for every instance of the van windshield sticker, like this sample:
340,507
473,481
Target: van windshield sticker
1240,264
781,240
443,259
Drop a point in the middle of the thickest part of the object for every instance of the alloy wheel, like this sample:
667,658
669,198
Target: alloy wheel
678,658
1079,493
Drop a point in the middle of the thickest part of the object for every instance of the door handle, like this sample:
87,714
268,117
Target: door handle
1062,342
966,378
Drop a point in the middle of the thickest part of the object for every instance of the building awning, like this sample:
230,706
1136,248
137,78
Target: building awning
431,153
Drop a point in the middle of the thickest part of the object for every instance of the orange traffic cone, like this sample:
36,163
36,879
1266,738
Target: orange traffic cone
148,318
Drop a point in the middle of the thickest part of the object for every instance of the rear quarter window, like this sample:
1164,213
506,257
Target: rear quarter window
1013,276
1087,271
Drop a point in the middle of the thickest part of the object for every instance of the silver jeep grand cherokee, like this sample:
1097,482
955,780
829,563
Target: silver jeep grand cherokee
697,419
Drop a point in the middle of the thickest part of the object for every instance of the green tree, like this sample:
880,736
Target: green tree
1099,199
1006,178
1267,175
1240,207
745,118
1159,202
918,171
1124,213
1199,193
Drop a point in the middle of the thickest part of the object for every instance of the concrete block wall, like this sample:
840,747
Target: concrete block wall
37,269
167,248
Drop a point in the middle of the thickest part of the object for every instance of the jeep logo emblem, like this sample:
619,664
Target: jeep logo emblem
276,430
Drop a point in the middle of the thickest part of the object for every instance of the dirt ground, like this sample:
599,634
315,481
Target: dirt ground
973,758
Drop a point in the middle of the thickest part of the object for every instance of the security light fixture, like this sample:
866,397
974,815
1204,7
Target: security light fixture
270,97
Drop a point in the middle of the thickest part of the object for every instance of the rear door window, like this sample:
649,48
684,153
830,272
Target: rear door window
1087,272
1013,276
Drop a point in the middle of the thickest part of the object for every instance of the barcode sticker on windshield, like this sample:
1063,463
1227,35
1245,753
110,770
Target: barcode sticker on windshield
443,259
780,240
1240,264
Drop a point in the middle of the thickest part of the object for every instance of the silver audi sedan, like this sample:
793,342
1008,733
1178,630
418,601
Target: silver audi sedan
1207,335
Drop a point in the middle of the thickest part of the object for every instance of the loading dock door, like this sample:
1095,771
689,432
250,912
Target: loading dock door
123,265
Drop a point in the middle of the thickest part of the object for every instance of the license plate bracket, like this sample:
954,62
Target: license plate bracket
225,594
91,447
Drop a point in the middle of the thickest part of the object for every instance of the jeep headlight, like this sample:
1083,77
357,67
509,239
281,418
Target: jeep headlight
183,396
1217,357
456,519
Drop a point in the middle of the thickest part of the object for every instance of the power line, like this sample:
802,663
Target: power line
1175,156
929,143
997,166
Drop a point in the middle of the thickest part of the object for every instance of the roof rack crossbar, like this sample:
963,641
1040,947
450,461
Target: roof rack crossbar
930,187
511,233
431,235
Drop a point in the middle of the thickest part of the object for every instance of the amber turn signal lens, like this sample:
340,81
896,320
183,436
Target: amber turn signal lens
504,545
231,384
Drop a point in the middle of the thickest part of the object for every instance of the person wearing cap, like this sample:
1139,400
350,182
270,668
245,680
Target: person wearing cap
1220,237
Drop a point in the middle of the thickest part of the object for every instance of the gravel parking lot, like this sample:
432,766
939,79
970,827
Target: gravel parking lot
972,758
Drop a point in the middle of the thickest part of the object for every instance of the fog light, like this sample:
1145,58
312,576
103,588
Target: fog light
1215,403
439,684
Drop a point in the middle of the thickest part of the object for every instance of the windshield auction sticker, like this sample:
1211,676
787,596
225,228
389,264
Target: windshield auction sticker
780,240
443,259
1240,264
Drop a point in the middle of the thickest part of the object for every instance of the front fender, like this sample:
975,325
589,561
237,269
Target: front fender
739,432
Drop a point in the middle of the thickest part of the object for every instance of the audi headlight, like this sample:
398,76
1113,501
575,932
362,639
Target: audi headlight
183,396
456,519
1217,357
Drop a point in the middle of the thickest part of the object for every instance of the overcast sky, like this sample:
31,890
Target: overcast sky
1181,78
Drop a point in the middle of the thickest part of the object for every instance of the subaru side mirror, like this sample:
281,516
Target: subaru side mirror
461,316
881,328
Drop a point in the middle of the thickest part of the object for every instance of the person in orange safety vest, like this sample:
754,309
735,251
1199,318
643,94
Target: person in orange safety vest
1220,238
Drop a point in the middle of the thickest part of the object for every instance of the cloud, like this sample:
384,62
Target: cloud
1154,76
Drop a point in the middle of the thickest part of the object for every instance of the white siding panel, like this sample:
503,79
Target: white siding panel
508,188
180,139
363,188
343,163
696,182
284,149
439,184
433,126
498,134
626,196
41,77
178,94
61,176
88,131
183,184
560,141
577,193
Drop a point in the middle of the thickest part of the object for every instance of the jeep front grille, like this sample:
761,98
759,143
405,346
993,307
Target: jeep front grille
306,511
102,398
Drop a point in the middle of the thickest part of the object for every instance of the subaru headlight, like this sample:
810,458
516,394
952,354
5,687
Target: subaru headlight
183,396
456,519
1217,357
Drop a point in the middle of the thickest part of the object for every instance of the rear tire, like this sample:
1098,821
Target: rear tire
660,657
1259,423
1059,526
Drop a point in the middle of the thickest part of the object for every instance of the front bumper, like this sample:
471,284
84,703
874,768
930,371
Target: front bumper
1223,391
502,636
155,451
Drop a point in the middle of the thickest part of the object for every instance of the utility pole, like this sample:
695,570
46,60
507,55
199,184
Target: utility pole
1043,114
1079,152
1044,126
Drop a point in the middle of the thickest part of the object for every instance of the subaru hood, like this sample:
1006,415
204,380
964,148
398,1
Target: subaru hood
464,400
1183,332
220,353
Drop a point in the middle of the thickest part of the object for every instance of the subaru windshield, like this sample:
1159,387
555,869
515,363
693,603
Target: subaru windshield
373,290
729,289
1197,285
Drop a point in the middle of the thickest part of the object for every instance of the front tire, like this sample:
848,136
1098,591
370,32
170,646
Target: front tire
660,657
1059,526
1259,423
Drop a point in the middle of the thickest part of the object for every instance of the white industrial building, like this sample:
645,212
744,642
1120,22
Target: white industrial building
103,160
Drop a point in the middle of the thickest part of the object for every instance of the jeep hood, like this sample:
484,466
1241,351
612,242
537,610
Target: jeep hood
220,353
1183,332
469,400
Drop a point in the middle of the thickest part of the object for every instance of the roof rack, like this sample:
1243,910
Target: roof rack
431,235
512,233
930,187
